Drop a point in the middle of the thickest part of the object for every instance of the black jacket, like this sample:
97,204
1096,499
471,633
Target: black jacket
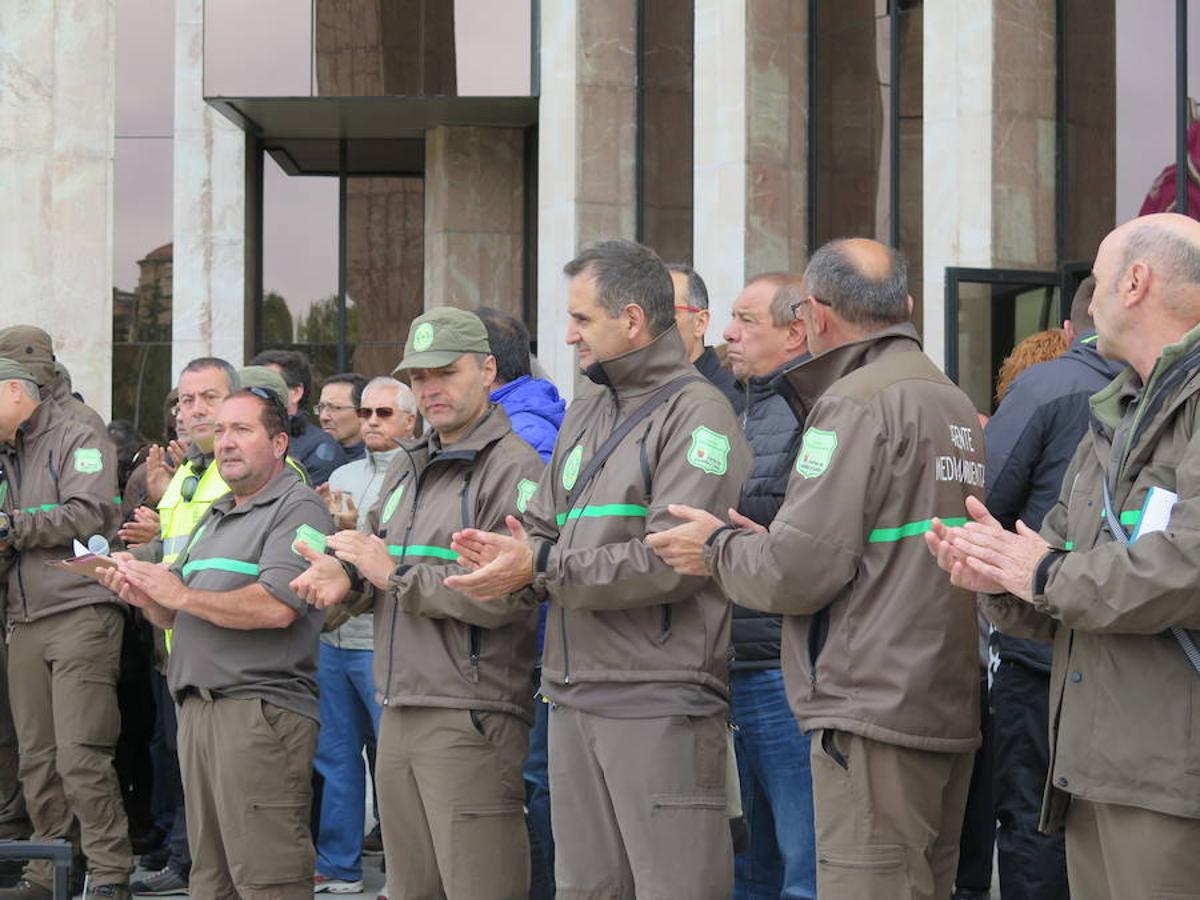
709,365
315,449
774,433
1030,440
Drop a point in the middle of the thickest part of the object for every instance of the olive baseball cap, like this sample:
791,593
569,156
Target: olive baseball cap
267,379
441,336
32,348
9,369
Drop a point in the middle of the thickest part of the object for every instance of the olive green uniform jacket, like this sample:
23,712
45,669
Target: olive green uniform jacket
1125,702
625,635
876,641
435,646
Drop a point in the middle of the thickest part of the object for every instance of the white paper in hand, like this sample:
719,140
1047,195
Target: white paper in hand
1156,511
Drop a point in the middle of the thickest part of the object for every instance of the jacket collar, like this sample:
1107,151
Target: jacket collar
491,427
760,387
1109,405
40,421
808,380
644,369
380,459
276,488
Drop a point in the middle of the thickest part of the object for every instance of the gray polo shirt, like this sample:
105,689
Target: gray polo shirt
235,546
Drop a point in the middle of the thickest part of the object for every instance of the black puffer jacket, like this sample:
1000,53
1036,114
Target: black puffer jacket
1030,440
709,365
774,433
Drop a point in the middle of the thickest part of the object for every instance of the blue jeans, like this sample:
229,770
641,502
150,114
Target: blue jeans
349,718
537,804
776,781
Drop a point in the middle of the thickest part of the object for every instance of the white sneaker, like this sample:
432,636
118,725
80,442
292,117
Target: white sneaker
325,885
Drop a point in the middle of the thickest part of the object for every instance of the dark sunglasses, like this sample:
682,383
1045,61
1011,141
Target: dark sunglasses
384,412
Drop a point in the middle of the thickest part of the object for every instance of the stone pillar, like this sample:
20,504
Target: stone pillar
586,152
56,150
751,142
210,210
989,144
474,217
959,122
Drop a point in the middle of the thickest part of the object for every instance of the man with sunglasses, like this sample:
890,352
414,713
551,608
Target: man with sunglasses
692,319
349,711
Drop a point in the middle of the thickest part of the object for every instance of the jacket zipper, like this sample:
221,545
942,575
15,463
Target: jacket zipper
412,519
474,632
16,487
666,619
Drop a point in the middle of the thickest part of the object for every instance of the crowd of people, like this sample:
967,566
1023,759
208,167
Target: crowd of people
690,637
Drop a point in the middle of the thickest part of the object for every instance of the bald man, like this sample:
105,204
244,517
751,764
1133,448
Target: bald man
880,654
1113,579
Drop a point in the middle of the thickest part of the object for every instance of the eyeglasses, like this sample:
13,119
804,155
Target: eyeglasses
691,309
331,407
796,304
384,412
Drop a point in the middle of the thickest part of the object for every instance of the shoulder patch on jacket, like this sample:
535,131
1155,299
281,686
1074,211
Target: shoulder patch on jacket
570,470
525,491
816,452
88,460
393,501
709,451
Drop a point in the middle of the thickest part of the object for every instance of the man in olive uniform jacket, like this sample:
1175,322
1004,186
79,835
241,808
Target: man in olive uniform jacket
32,348
1113,579
454,674
65,631
636,662
243,661
879,654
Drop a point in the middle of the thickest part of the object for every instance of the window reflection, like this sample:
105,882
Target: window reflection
300,264
367,48
667,61
142,275
385,244
259,49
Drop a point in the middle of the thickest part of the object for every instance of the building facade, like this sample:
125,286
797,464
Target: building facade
193,177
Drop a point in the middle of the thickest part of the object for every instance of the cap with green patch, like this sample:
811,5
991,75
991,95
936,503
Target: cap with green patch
10,369
31,347
441,336
267,379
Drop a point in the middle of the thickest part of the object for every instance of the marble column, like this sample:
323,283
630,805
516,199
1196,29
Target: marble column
211,298
751,140
56,153
586,152
474,217
958,110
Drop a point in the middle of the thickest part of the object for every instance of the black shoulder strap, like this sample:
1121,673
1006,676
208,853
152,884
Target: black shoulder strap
653,402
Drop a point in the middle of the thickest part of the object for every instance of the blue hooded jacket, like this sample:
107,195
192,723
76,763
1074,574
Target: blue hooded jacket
536,411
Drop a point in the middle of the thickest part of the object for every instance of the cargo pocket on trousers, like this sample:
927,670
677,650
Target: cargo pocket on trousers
873,871
277,846
91,712
490,852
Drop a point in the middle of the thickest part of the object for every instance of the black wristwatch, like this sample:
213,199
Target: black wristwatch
5,528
